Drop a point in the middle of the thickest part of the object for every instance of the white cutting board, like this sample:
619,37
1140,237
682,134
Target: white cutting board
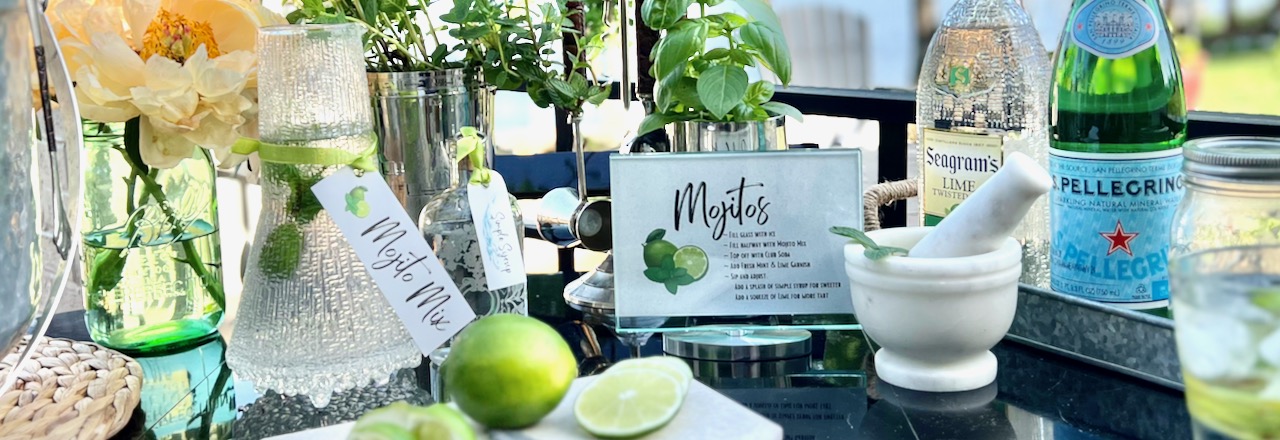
705,414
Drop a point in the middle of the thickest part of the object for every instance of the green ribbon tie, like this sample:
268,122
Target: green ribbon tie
471,146
365,160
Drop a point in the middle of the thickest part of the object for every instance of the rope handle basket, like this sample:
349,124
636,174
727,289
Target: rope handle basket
883,194
68,390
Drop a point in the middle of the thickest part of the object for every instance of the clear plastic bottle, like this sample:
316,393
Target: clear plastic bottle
982,94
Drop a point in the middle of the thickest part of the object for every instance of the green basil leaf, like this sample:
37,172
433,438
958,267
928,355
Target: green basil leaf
686,91
722,88
715,54
760,92
654,122
678,46
731,20
779,108
742,57
663,14
761,12
772,47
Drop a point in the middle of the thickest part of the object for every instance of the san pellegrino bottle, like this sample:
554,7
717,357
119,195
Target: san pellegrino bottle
982,94
1119,120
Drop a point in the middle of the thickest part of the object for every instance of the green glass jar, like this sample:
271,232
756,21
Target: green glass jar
151,262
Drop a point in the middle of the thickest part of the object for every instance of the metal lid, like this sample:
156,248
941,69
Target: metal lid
738,343
1233,158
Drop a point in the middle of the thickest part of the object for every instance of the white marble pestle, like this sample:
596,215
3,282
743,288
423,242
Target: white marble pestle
985,220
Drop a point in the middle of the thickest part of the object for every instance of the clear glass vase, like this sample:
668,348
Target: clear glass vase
152,265
311,321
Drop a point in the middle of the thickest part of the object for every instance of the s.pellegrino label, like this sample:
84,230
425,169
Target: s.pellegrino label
955,165
1111,217
1115,28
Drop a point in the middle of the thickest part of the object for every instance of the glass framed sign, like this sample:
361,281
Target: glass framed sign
733,238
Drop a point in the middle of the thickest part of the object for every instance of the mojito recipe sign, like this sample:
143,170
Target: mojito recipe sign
712,234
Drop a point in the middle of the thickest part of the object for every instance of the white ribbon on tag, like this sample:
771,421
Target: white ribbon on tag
496,228
396,256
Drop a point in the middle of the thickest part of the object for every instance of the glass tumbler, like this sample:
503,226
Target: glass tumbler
1228,335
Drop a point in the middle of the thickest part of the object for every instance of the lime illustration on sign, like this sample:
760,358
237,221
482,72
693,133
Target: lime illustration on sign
355,202
671,266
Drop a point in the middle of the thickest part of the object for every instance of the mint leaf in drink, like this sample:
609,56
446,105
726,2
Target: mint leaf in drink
281,252
872,250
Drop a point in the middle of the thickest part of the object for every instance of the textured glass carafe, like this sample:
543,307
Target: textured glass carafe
142,293
985,74
311,321
449,228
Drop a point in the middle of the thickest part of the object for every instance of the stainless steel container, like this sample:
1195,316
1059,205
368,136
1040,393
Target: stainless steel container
415,114
689,136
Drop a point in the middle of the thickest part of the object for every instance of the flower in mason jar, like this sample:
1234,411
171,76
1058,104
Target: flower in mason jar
186,68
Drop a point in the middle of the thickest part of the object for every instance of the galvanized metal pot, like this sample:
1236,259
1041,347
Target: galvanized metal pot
689,136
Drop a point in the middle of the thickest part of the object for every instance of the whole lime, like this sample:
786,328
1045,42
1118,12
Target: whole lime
656,251
509,371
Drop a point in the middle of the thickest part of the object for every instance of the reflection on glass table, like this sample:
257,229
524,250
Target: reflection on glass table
835,395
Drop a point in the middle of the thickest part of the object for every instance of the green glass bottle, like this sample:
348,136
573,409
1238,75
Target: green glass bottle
1118,120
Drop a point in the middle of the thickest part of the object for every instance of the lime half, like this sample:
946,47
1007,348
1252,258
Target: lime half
693,260
401,420
666,364
628,403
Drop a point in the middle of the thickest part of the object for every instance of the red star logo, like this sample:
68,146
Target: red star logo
1119,239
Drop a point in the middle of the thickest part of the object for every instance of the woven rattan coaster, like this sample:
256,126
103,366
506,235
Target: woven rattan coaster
69,390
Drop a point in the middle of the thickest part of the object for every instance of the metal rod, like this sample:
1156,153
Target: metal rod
624,13
579,147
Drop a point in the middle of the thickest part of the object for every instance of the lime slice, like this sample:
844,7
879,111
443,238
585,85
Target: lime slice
402,421
628,403
693,260
677,368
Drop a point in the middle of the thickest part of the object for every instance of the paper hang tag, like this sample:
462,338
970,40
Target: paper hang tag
495,226
396,256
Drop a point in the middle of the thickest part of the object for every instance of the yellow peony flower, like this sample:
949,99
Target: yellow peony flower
186,68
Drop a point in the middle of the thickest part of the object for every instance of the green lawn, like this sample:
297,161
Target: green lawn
1246,83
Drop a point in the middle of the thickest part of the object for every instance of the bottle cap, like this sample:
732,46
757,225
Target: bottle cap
1235,158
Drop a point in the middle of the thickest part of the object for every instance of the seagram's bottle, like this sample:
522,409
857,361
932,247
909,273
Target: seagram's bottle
1119,120
982,94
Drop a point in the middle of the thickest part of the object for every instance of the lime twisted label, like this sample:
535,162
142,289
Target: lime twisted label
1111,216
1115,28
